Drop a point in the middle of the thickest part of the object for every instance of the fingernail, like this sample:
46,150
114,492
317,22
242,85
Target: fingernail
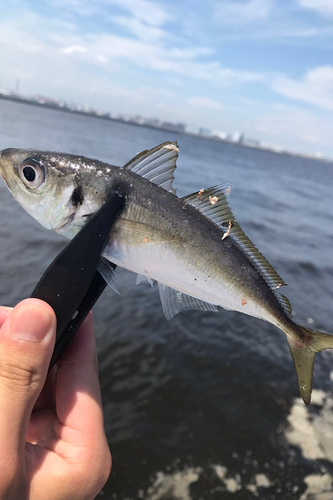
30,323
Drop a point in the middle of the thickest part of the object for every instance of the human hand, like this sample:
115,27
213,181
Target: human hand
52,438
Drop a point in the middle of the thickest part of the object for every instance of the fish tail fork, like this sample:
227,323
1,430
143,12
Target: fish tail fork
303,347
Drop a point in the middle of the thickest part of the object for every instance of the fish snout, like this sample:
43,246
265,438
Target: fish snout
6,164
1,162
9,152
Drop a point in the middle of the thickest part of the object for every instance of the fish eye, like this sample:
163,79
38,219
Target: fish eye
31,173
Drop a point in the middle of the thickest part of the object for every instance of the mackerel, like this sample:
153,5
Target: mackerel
192,246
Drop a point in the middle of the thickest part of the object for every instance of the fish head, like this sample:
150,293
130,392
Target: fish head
42,183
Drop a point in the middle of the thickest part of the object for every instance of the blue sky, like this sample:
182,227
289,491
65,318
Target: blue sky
262,67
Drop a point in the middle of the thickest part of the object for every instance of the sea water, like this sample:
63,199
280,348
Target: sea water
206,405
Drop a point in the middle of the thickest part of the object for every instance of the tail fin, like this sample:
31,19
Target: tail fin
303,351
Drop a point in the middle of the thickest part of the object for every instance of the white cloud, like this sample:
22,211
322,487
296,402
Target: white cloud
204,102
101,59
295,128
315,88
140,29
242,12
278,21
152,55
111,67
324,7
74,49
124,52
149,12
21,38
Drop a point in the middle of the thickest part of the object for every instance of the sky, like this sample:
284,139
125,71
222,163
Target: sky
260,67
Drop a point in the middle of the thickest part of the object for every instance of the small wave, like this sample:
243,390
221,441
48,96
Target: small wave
303,267
309,267
258,226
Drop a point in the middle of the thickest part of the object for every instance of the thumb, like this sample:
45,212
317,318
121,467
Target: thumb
26,343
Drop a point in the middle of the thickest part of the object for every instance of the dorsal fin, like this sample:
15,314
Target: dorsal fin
157,165
213,203
284,301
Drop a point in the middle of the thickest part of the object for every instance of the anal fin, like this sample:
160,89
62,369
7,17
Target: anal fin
174,302
144,279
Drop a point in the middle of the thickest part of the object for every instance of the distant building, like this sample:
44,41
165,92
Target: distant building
138,120
220,135
152,122
252,142
205,131
174,127
236,136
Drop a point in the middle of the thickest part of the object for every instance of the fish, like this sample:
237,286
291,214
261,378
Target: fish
192,246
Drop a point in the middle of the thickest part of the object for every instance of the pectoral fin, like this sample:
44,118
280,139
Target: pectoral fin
107,270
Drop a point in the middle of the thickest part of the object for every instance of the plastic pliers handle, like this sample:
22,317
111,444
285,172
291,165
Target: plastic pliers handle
71,285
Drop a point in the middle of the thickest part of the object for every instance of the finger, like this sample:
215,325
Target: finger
80,428
41,429
46,399
78,397
44,412
77,436
4,313
26,344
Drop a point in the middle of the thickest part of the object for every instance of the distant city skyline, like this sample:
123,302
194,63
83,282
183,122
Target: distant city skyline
262,68
236,138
